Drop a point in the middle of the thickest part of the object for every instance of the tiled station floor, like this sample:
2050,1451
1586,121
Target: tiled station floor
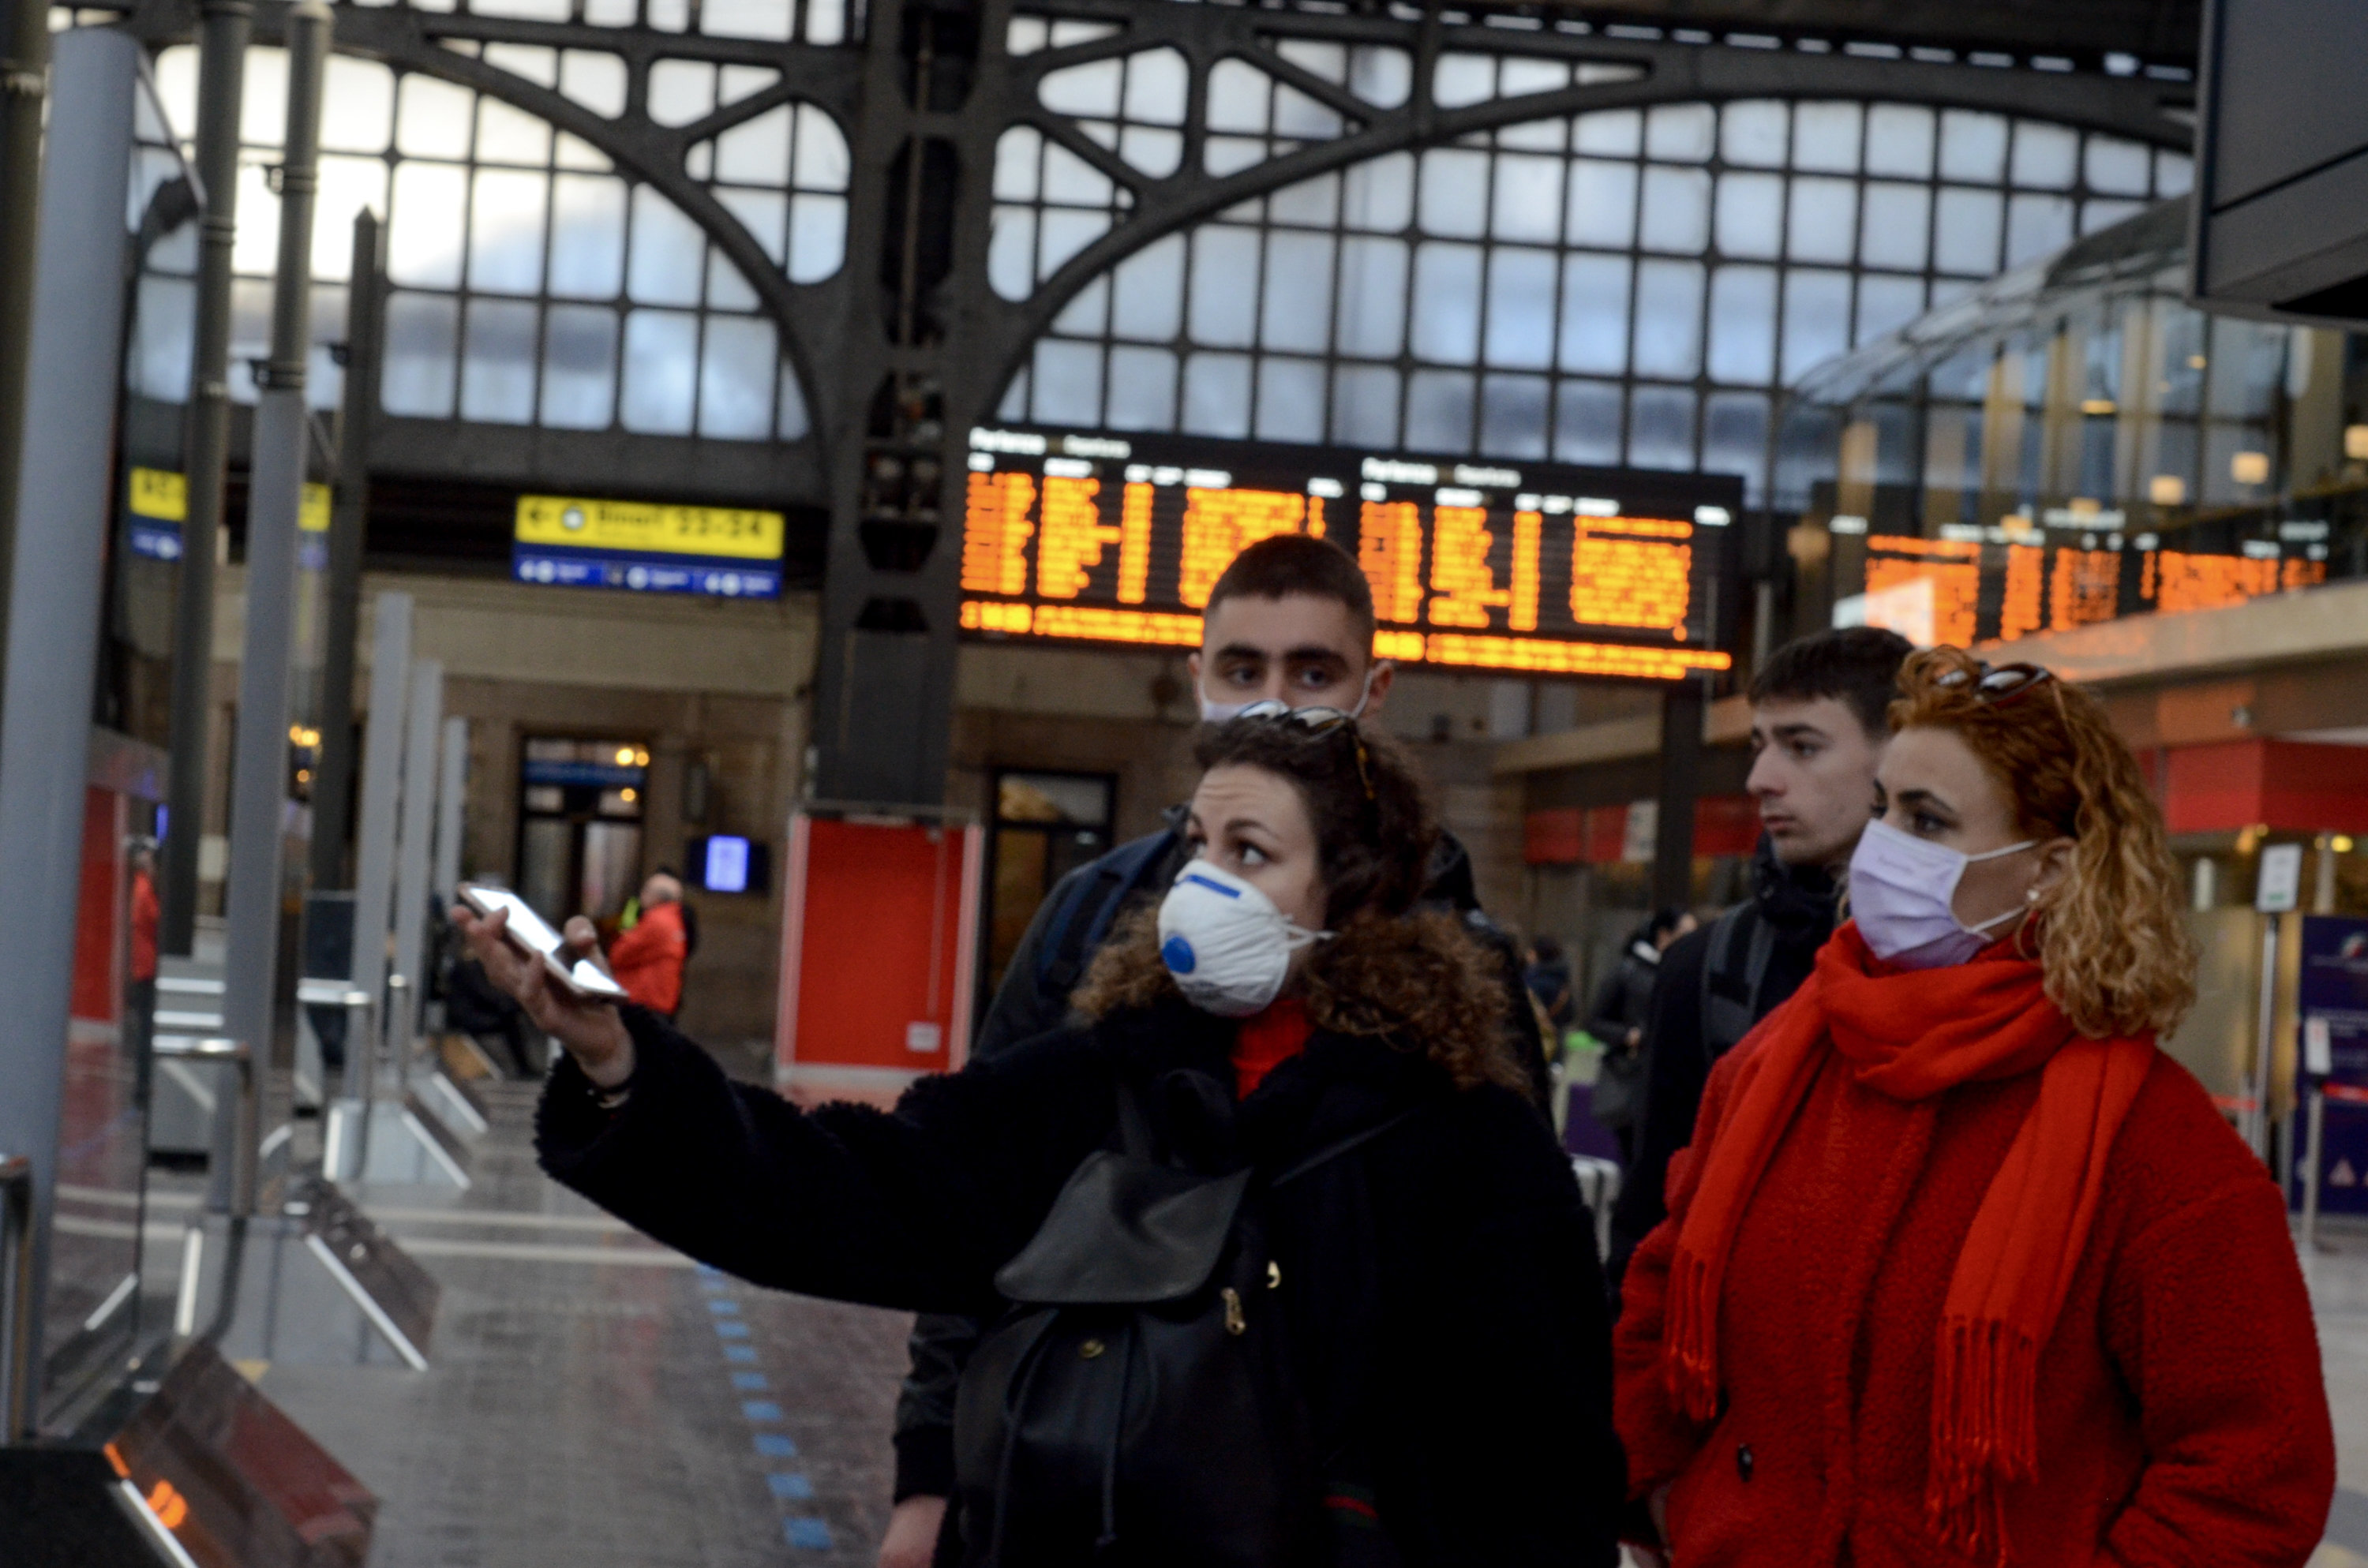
595,1399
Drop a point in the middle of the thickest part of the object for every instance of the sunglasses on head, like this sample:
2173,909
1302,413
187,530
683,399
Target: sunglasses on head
1316,721
1997,683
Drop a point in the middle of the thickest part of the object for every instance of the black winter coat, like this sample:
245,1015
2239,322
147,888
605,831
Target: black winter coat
1798,903
1625,996
1448,1315
1034,999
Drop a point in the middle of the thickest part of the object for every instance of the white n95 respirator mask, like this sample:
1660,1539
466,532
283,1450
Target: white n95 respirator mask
1903,893
1227,945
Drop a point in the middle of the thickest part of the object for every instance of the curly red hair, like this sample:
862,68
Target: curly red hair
2109,937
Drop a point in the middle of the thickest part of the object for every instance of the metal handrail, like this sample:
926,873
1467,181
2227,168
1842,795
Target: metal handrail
206,1048
17,1305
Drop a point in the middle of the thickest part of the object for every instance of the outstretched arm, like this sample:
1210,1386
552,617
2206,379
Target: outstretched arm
913,1210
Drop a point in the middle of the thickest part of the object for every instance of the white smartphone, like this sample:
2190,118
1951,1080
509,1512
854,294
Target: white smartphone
533,933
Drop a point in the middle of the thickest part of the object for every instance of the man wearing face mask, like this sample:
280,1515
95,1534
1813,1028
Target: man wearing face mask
1290,621
1818,732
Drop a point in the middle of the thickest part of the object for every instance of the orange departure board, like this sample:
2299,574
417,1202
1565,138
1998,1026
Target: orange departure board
2001,583
1526,568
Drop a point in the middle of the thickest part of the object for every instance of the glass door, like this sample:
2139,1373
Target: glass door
1046,826
580,805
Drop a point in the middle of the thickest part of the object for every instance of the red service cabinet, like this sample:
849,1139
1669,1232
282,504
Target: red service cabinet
879,939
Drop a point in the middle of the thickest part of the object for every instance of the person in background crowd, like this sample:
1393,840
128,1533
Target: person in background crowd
1422,1376
1617,1022
1289,620
140,996
474,1005
1817,730
1548,978
1959,1267
648,959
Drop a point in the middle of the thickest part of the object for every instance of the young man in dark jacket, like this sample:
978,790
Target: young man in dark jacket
1290,620
1817,732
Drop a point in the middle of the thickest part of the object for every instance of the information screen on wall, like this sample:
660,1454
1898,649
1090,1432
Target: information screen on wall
1515,567
648,547
2063,569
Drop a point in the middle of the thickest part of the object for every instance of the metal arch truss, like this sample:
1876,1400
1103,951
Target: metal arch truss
2157,113
889,397
810,317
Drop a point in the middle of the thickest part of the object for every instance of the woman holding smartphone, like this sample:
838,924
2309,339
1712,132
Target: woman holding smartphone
1379,1336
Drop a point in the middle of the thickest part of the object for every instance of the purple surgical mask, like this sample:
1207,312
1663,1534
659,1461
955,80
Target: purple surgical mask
1903,893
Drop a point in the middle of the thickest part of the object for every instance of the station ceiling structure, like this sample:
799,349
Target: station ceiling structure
792,251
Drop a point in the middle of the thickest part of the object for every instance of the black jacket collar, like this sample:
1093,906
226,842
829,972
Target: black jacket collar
1796,899
1181,1059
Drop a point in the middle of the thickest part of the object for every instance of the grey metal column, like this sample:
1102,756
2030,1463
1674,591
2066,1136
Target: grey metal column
333,786
275,494
451,796
222,90
54,619
883,716
24,66
382,789
1673,840
413,848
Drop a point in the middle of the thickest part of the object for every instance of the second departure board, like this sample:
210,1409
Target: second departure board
1516,567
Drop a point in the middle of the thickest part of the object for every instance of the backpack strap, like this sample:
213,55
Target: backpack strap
1333,1151
1742,944
1086,912
1135,1135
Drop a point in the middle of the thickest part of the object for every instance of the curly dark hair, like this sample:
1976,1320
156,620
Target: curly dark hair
1375,824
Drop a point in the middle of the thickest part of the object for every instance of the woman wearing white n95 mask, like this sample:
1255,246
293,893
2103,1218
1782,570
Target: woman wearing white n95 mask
1960,1268
1388,1346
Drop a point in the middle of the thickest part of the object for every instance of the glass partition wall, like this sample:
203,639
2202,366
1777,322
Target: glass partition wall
2074,443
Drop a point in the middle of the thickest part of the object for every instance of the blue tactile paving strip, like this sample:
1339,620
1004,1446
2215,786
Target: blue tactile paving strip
801,1529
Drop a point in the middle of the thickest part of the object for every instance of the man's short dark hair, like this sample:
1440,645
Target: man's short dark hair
1857,664
1298,564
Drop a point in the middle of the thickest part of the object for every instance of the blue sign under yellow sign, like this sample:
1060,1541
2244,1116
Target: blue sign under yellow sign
648,547
159,500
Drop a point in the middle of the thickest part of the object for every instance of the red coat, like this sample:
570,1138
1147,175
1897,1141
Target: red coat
647,960
2181,1419
146,914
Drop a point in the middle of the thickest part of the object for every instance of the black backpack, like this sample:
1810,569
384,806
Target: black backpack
1742,944
1136,1406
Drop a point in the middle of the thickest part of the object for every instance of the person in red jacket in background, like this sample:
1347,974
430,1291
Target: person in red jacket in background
1960,1268
647,960
139,999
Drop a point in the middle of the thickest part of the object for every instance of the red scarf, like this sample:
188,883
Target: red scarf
1910,1035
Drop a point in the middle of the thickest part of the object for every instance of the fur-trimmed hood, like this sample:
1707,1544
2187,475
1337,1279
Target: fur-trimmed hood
1418,980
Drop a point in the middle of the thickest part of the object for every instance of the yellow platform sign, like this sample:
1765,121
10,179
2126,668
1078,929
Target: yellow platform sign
644,528
160,495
